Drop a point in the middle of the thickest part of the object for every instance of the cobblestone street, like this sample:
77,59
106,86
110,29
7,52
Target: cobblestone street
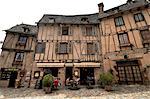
120,92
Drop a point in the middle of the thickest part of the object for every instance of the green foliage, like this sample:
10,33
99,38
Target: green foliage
47,80
106,79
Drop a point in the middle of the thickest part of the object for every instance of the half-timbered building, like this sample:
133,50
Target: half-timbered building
116,40
69,45
125,39
17,56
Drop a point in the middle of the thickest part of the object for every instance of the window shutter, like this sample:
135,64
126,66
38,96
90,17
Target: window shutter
59,30
70,47
57,48
96,47
70,30
22,56
93,30
83,29
43,47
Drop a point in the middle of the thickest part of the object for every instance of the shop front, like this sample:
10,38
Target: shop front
8,77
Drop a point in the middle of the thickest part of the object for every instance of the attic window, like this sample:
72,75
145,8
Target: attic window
25,29
51,20
84,19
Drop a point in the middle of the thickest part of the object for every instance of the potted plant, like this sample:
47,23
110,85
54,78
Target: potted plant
106,81
47,83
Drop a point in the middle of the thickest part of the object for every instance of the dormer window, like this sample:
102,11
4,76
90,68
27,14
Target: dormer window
84,19
25,29
51,20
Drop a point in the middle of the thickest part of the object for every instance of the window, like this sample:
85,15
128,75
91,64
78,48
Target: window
25,29
145,35
92,48
40,48
19,56
123,38
63,48
89,31
65,30
138,17
22,39
4,74
119,21
84,19
51,20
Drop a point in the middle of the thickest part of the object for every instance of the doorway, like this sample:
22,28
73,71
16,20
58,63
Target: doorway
84,72
13,78
129,72
51,70
68,72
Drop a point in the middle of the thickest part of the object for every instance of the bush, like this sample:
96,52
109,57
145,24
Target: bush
106,79
47,81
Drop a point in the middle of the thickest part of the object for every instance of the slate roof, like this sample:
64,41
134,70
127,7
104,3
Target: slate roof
123,8
70,19
32,29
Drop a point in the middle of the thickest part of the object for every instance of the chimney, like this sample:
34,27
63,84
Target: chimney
101,8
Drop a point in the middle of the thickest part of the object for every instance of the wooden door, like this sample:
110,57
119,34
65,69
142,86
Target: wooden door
129,72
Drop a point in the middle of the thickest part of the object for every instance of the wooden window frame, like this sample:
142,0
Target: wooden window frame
89,31
119,21
68,48
137,17
94,49
145,40
21,42
65,28
43,45
19,60
123,37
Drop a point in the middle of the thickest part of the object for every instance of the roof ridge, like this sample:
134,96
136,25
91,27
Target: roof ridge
70,15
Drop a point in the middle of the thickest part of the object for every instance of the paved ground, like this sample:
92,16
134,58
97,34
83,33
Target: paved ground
120,92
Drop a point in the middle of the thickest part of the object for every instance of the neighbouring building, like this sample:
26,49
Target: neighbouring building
125,40
17,56
116,40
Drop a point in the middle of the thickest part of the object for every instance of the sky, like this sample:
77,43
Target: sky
13,12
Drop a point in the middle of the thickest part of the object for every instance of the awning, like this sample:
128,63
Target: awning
50,64
86,64
69,64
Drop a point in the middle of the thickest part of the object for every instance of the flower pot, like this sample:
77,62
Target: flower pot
108,88
47,90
